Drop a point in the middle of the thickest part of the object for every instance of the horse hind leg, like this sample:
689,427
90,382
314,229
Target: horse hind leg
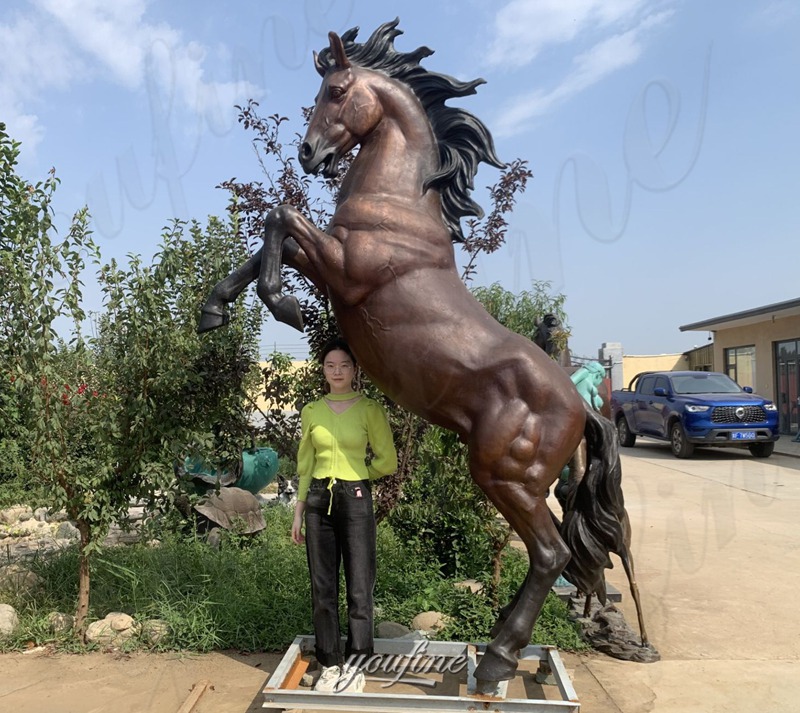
515,473
577,468
547,556
505,611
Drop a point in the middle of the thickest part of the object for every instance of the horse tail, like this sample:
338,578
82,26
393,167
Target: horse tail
595,517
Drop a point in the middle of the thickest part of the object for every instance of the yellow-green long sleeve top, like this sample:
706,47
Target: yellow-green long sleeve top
334,445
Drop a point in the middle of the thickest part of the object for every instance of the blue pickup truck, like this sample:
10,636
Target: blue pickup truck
694,408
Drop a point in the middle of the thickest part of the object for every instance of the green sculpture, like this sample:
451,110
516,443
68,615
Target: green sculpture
586,380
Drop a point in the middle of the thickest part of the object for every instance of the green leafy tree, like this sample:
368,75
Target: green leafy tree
520,311
105,417
448,518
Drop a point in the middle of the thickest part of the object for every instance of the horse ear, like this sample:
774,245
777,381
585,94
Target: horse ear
337,50
318,65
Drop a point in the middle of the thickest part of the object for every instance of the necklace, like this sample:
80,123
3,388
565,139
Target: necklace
342,397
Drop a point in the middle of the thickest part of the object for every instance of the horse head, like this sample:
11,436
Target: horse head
346,110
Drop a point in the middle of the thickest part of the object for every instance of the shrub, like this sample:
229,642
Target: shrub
254,594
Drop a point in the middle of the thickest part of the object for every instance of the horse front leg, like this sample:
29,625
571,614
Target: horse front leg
213,314
311,249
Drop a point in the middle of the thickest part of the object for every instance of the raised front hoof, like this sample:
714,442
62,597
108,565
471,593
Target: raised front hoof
211,318
495,667
286,309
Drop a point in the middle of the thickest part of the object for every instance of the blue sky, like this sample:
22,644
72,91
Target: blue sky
662,134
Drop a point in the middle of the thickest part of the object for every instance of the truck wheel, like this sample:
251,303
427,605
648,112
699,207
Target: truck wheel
762,450
626,438
681,448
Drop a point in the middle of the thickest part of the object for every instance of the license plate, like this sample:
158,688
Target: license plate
743,435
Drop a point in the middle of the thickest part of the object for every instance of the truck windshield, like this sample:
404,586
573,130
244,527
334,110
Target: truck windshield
705,383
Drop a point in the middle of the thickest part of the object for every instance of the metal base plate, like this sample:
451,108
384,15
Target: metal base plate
403,669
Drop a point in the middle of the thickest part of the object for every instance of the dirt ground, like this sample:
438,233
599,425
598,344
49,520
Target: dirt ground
41,682
38,682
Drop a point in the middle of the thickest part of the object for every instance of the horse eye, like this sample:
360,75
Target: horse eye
336,92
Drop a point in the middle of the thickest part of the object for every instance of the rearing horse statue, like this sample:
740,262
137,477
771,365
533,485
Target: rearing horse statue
387,264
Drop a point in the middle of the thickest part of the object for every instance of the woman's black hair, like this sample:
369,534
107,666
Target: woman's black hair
334,344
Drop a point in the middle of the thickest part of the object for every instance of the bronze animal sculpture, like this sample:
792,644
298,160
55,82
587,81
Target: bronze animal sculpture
387,264
547,328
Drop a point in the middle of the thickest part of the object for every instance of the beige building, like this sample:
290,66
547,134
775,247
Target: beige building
262,403
633,364
761,348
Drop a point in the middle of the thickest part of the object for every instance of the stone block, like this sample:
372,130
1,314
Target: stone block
59,622
391,630
67,531
155,631
18,579
9,621
429,621
16,513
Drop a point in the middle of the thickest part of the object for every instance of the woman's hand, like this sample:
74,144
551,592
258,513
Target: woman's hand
297,525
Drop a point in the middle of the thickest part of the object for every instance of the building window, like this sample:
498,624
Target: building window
787,373
740,365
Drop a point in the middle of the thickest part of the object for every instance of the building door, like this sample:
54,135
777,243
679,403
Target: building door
787,369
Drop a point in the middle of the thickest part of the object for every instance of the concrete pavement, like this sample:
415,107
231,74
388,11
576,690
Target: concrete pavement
786,445
717,552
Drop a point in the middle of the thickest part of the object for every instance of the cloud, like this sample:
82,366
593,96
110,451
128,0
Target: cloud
33,59
523,28
775,15
590,66
59,43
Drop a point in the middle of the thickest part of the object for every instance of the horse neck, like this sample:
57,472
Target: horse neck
396,158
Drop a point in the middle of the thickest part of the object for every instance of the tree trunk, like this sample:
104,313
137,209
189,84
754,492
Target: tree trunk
83,579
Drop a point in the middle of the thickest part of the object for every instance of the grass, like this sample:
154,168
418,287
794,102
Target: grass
253,595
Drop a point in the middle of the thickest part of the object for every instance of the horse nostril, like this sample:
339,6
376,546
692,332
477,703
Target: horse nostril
305,151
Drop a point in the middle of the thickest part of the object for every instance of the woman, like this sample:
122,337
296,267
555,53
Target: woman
334,497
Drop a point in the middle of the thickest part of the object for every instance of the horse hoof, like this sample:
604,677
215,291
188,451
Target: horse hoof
496,667
487,688
211,318
286,309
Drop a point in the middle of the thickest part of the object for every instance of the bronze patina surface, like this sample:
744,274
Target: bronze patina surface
388,266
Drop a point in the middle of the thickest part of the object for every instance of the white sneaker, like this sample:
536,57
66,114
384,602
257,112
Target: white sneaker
351,681
328,679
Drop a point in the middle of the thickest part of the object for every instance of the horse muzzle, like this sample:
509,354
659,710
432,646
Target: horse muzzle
315,160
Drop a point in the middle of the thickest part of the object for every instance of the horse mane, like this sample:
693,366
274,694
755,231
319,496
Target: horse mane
463,139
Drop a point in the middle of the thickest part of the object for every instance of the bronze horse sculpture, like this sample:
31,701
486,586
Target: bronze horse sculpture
386,262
